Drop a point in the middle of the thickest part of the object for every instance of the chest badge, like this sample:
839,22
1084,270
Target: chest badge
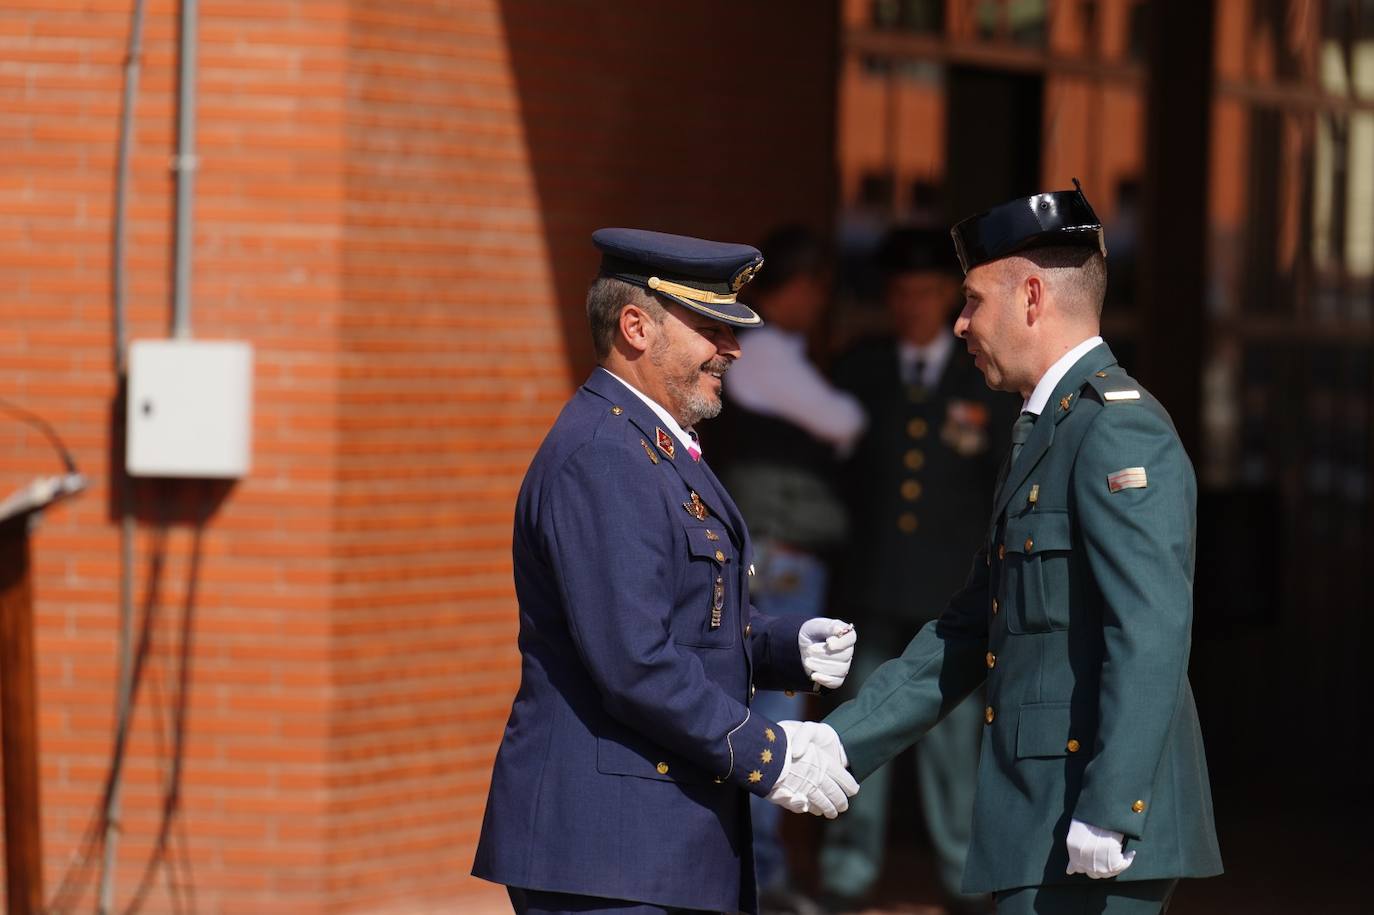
665,443
1064,402
696,508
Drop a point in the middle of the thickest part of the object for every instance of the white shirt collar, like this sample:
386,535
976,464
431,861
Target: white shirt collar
1050,380
679,433
932,355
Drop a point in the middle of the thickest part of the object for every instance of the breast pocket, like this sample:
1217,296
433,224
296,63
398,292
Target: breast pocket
706,615
1034,589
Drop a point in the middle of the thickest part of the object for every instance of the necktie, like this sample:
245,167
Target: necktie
1020,432
918,373
694,449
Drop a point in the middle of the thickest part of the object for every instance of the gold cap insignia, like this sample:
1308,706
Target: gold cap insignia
745,275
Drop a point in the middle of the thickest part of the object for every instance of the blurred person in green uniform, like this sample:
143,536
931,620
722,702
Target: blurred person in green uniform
919,489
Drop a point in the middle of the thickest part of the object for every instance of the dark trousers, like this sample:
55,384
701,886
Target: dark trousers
538,902
1144,897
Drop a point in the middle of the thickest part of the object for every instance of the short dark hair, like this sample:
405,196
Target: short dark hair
1089,277
606,298
789,251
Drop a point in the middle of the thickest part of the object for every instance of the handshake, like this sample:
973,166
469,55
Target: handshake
814,778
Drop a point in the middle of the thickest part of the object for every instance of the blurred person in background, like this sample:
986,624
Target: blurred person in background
786,428
633,742
919,490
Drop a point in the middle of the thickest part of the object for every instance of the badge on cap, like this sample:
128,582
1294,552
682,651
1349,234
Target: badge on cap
665,443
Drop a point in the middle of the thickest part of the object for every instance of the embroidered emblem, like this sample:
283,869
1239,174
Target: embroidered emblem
768,732
664,442
1113,396
766,756
755,777
649,451
697,509
1127,478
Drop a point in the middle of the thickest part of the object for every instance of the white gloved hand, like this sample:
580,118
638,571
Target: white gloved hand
827,649
812,779
802,734
1096,852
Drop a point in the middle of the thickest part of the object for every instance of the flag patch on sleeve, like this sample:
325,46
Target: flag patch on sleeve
1128,478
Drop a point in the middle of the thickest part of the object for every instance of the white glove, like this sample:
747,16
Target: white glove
812,780
827,649
1096,852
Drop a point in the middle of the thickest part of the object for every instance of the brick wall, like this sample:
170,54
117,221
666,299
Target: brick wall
393,207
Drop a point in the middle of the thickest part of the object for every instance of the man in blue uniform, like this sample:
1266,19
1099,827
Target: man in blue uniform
1092,781
617,786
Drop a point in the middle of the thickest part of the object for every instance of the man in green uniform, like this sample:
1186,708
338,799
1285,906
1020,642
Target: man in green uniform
1092,782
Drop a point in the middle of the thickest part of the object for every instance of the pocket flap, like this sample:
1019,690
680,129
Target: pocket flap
1044,729
708,541
615,758
1043,530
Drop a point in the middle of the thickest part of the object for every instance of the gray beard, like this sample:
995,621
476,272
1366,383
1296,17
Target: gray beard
690,405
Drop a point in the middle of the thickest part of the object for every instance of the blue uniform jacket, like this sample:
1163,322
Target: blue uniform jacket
619,772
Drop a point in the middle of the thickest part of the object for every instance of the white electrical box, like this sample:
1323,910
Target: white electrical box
190,408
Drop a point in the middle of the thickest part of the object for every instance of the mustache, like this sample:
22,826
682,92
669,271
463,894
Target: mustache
718,364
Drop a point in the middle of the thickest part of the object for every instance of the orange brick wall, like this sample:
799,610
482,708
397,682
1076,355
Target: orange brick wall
393,207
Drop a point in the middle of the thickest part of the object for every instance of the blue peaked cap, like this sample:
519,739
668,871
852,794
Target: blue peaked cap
701,275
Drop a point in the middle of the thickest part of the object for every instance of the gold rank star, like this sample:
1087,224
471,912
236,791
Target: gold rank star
766,756
755,777
768,732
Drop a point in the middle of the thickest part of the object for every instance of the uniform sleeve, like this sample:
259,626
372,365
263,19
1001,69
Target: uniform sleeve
908,695
616,567
776,653
1139,544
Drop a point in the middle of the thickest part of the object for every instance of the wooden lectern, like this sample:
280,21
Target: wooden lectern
18,712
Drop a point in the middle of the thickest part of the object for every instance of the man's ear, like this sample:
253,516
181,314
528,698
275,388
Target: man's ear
1034,290
635,326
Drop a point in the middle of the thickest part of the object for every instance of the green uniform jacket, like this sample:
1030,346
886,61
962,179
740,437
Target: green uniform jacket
1077,612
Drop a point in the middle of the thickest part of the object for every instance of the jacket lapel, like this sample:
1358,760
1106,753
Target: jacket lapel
1042,434
695,475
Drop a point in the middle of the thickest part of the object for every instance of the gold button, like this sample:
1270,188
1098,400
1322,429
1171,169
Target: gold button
720,557
1073,745
1029,543
789,693
917,428
994,606
907,523
1001,551
662,768
752,690
1138,806
915,459
992,660
911,490
748,629
1101,374
989,714
616,411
